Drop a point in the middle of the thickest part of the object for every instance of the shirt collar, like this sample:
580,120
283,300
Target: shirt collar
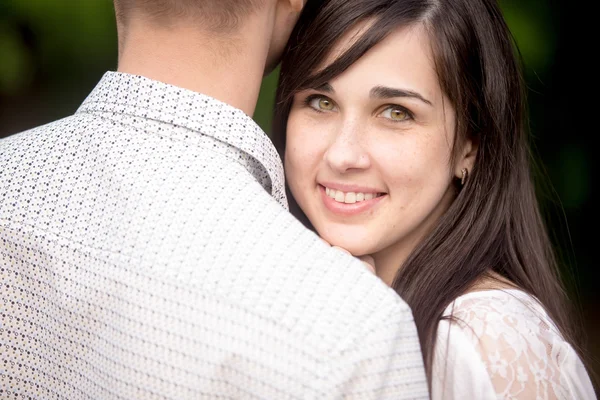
145,98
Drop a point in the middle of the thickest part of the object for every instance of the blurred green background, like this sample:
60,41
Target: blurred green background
52,53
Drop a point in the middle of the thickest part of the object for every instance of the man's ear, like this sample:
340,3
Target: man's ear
297,5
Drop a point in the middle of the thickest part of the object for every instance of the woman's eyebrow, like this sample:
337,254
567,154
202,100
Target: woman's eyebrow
383,92
326,87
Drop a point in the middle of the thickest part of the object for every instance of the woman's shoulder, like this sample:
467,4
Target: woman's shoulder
506,340
510,308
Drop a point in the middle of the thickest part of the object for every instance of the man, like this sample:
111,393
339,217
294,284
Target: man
145,247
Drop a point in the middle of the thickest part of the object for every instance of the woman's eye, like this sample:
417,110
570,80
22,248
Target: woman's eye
396,113
321,104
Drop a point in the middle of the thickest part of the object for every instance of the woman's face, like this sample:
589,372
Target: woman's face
368,154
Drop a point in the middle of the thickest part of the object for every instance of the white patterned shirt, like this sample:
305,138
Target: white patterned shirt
146,253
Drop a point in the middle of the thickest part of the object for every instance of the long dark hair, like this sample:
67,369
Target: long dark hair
494,224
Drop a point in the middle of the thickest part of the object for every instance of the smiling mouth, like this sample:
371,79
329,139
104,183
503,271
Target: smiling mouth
350,197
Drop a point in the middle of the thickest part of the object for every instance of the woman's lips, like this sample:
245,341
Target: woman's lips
349,203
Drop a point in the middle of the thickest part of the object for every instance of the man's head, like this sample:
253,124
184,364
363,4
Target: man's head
218,15
225,19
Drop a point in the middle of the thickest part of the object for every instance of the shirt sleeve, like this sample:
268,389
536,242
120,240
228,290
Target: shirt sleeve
383,360
458,371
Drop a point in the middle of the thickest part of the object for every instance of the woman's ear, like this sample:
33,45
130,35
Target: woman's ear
467,156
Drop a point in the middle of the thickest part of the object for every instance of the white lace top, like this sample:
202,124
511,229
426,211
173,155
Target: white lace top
502,345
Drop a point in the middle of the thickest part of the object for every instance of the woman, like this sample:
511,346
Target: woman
403,126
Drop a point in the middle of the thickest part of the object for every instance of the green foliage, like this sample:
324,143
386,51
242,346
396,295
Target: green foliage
16,67
574,178
531,25
69,35
266,101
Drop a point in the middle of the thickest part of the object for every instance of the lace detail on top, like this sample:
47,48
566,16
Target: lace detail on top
520,347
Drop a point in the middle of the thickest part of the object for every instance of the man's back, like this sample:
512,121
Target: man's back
142,257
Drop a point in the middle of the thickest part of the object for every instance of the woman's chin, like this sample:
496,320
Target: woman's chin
357,247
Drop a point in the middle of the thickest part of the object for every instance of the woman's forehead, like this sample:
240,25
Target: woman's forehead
403,59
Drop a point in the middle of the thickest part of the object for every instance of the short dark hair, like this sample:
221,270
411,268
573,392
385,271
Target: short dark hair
221,15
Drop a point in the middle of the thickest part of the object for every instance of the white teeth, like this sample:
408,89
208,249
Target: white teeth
350,197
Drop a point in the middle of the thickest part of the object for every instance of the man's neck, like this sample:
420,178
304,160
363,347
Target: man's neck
228,69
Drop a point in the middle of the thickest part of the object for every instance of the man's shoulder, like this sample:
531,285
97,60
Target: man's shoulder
321,292
43,134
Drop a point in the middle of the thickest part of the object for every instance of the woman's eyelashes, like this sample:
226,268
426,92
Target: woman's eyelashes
320,103
391,112
396,113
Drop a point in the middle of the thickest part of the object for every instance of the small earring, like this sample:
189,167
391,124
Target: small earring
465,175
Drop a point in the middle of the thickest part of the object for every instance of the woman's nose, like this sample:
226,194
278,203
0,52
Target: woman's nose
347,151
